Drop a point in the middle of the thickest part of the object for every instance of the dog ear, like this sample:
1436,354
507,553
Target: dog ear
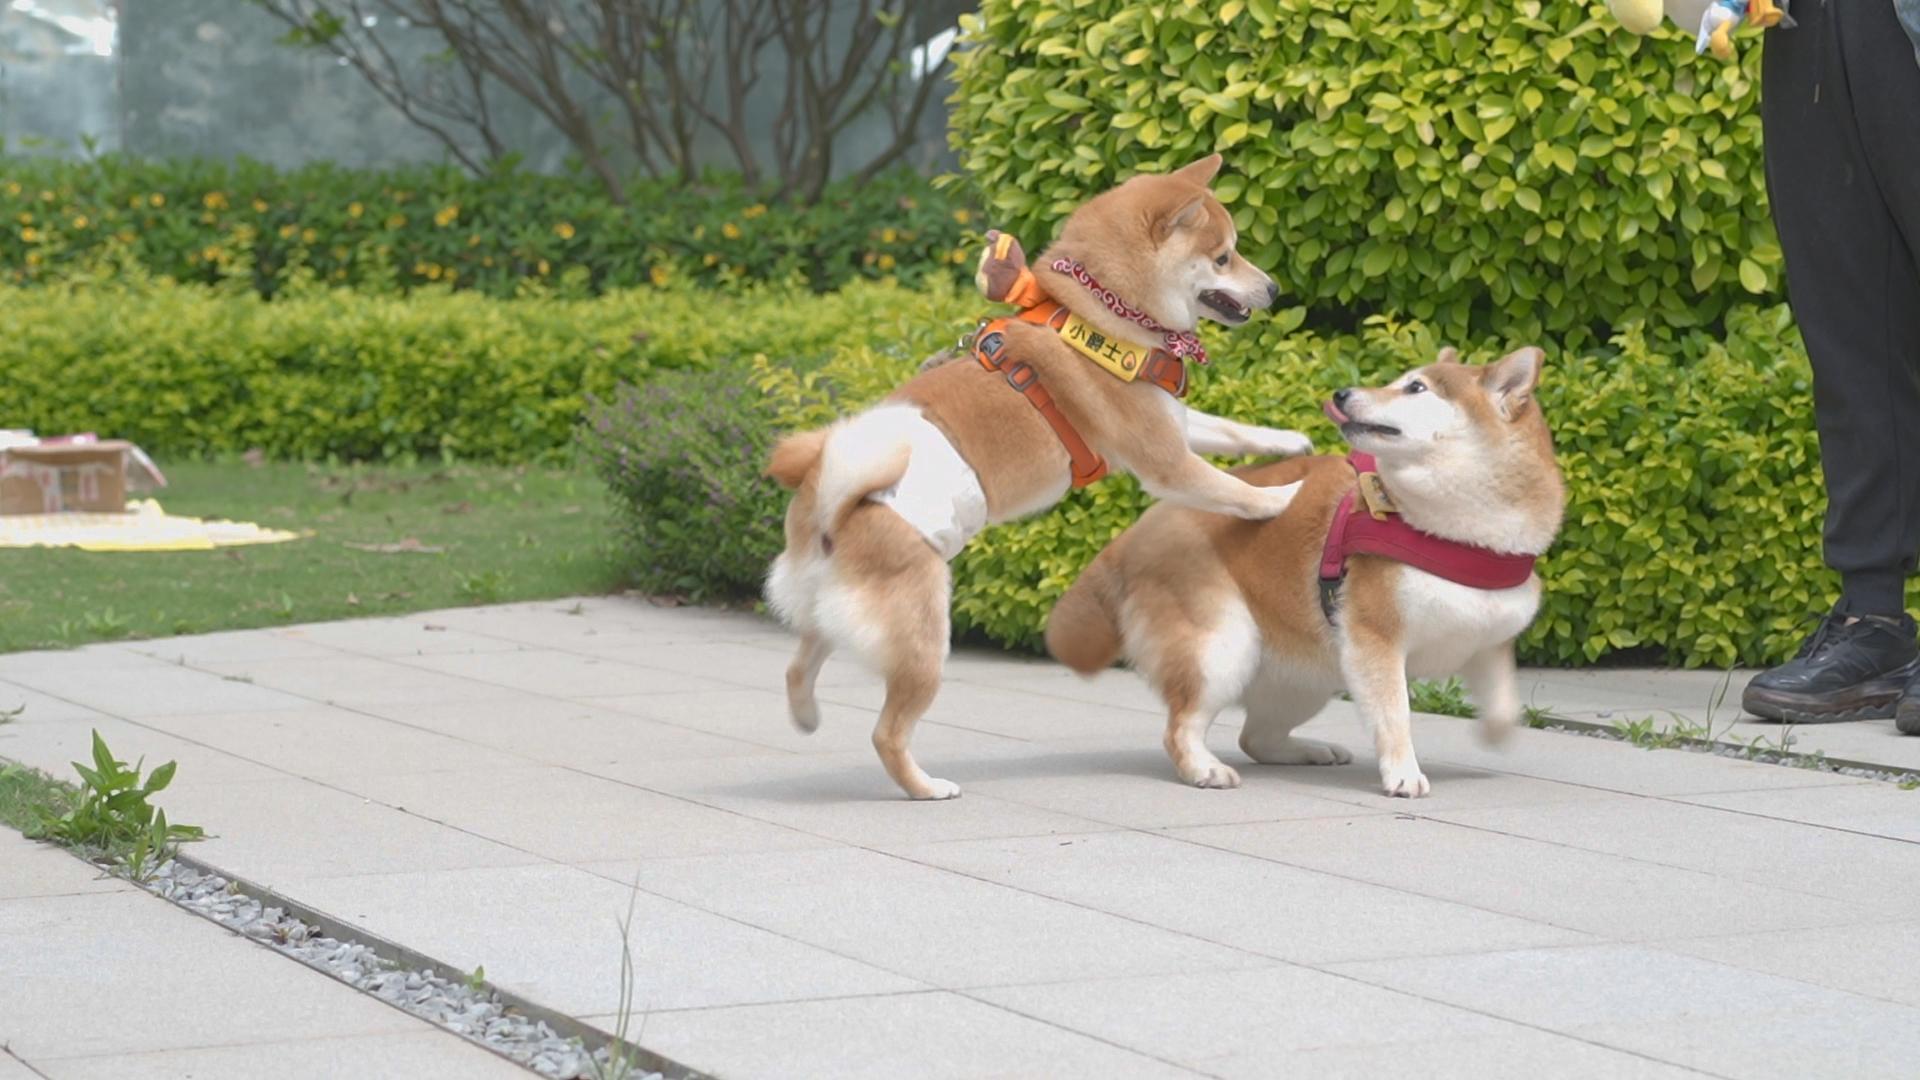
1201,172
1184,216
1448,355
1510,381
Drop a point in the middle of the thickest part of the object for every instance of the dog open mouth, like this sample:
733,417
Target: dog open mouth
1351,427
1229,309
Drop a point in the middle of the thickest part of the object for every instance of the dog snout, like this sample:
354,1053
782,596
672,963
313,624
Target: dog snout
1341,397
1273,293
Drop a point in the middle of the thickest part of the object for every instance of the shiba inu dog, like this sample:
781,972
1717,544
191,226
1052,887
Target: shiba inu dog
1424,570
882,500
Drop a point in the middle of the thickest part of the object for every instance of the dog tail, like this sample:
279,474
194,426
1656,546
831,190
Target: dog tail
852,469
796,456
1083,630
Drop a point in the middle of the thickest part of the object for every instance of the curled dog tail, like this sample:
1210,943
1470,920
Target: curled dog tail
1083,630
854,465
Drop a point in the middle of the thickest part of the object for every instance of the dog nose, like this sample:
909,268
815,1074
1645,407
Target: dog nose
1341,397
1273,293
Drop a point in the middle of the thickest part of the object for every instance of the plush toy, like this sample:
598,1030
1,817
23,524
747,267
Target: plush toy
1713,21
1002,276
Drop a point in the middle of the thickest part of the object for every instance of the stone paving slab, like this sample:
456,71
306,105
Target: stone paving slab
496,785
103,980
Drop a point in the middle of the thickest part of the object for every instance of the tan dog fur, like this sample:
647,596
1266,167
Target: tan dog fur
1218,612
858,576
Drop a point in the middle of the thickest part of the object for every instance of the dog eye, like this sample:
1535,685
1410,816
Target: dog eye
1222,260
1416,387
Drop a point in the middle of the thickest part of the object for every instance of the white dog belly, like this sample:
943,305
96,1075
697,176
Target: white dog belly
1447,623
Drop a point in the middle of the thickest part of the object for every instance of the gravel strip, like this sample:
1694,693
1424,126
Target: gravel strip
1815,762
473,1012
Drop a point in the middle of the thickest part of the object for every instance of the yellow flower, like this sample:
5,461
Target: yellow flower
730,231
26,219
211,253
888,236
543,266
354,210
886,262
80,221
959,256
13,188
433,271
307,236
259,206
710,258
214,200
658,275
135,202
486,261
46,196
397,220
474,240
699,232
286,232
754,211
125,236
447,216
156,199
962,216
31,236
563,230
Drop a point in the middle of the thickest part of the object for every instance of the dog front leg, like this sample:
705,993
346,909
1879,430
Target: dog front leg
1376,673
1209,434
1188,480
1492,681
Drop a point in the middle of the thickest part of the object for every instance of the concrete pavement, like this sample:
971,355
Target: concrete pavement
492,785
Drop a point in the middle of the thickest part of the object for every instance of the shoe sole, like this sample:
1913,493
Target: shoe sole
1907,719
1877,700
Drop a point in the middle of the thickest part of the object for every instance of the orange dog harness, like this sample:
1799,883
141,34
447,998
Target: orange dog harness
989,346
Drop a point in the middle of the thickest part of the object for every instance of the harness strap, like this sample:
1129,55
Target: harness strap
1361,528
990,349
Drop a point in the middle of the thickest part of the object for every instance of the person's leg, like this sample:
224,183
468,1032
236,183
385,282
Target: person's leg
1843,172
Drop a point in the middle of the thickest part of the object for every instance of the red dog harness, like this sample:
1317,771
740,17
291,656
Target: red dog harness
1365,525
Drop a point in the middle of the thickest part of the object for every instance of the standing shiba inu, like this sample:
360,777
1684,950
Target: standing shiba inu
1219,612
884,499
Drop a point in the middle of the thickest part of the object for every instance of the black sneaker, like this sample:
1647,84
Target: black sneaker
1907,716
1850,669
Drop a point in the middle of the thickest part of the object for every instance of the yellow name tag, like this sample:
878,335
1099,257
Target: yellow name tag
1374,494
1119,356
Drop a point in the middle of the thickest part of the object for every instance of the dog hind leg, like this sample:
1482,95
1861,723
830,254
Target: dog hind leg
1275,706
1198,677
802,705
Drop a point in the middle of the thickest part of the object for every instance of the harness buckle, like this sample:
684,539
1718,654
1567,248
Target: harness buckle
1021,376
967,339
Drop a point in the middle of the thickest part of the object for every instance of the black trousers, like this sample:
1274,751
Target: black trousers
1841,109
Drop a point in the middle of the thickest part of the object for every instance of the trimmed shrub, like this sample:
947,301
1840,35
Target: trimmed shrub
1692,533
1483,165
207,221
185,370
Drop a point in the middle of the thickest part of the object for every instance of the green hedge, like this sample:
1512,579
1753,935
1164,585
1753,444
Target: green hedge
186,370
385,230
1692,536
1484,165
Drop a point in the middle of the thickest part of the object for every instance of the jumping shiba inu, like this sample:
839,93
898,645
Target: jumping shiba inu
884,499
1413,558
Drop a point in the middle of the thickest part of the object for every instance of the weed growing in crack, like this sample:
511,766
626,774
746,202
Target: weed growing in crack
110,817
8,716
1445,697
620,1062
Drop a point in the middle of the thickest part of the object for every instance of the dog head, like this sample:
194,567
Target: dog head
1463,447
1445,407
1164,244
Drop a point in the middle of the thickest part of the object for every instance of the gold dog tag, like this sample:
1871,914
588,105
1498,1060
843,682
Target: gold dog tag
1123,358
1374,494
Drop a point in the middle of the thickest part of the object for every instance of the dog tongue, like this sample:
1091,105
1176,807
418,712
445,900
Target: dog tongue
1334,414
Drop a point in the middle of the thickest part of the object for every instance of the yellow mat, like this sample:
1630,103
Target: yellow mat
144,527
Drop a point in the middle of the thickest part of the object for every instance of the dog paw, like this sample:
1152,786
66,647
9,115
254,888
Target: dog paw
1297,751
1283,443
937,789
1496,730
1272,502
1404,781
1218,775
805,715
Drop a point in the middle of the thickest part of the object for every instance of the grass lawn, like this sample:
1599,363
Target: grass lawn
466,534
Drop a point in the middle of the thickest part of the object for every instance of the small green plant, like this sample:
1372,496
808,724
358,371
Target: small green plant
477,979
1911,783
483,586
1539,716
8,716
1647,734
1444,697
621,1062
106,623
111,817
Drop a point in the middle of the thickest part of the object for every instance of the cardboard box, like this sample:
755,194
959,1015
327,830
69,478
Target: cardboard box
53,478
